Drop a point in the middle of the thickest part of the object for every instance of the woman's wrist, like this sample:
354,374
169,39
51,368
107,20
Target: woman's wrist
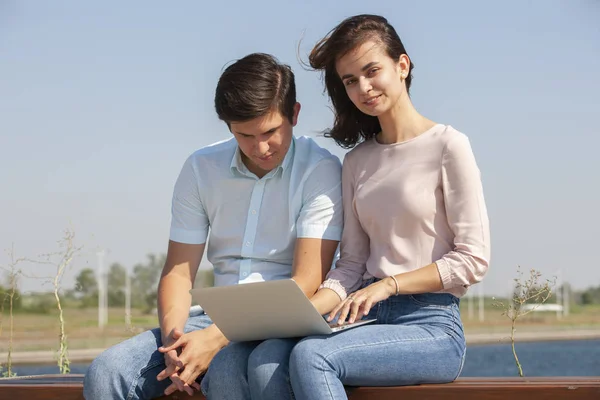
392,283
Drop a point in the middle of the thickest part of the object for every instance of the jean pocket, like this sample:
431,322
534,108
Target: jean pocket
438,300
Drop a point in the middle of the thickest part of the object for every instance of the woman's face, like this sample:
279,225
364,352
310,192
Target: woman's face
374,81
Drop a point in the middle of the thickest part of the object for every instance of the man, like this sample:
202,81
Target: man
272,203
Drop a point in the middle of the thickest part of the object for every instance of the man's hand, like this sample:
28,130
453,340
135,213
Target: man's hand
174,364
196,350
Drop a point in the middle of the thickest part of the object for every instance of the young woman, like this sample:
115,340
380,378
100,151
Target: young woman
416,232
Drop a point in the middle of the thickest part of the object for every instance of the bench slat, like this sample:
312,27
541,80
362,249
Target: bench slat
69,387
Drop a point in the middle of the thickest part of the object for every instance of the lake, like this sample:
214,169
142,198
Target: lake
557,358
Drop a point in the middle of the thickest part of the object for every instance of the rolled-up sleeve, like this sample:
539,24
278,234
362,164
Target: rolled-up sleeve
321,214
189,223
467,217
354,249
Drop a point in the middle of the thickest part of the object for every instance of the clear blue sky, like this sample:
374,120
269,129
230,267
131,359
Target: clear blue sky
101,103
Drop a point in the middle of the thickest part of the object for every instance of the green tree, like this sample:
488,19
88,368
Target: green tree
5,297
590,296
87,287
116,285
145,282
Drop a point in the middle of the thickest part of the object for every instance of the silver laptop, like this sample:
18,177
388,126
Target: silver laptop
264,310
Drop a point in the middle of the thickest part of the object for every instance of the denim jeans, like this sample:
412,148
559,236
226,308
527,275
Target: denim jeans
247,370
416,339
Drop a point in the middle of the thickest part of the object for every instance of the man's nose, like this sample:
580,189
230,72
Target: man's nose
262,147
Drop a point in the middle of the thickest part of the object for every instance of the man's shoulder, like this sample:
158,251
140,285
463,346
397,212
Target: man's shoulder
221,151
309,152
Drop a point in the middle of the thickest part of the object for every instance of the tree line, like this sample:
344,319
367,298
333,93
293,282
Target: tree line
144,279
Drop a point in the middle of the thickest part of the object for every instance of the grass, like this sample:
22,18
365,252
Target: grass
580,317
39,331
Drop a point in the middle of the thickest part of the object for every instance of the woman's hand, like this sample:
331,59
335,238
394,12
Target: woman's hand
359,303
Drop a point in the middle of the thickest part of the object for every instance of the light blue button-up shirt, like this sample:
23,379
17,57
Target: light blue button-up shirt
254,223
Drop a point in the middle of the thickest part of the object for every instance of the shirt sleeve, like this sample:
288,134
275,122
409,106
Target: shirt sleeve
321,215
467,216
189,223
354,248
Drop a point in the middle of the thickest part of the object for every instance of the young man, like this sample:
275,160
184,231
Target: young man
273,206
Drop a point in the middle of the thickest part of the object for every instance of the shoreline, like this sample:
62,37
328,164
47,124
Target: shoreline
44,357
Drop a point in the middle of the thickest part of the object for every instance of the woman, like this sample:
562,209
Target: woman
416,232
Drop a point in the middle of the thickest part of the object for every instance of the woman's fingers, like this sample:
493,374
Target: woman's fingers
345,310
354,309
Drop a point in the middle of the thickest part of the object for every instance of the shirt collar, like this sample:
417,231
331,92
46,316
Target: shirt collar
238,165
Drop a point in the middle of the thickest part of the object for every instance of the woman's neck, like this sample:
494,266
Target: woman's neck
402,123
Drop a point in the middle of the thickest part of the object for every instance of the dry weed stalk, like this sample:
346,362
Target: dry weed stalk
526,291
13,278
61,260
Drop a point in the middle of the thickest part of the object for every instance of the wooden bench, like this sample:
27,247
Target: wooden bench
69,387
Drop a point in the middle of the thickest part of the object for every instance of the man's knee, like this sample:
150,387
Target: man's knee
227,373
271,352
231,359
101,376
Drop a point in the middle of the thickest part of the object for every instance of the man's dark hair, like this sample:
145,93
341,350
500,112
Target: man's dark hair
253,86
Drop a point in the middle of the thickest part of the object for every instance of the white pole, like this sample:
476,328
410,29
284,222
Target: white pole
470,304
127,299
566,299
481,312
105,297
559,290
101,293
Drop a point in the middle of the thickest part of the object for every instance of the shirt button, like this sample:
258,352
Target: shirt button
248,243
244,274
253,211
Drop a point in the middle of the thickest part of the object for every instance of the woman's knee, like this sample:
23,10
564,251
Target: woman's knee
307,352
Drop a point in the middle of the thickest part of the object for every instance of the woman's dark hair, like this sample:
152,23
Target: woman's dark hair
254,85
351,125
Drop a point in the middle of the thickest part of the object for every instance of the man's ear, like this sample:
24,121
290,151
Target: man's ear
297,108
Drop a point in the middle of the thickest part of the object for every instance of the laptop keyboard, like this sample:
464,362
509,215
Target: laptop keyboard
335,324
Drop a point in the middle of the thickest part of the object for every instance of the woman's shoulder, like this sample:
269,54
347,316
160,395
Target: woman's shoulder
450,137
448,133
360,150
454,144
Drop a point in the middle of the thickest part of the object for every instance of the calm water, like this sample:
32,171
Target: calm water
564,358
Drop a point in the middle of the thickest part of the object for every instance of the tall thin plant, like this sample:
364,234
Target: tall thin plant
13,277
532,290
61,261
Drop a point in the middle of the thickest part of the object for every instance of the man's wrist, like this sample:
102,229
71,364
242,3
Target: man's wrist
217,336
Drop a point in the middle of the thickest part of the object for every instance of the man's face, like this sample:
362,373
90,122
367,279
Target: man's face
264,141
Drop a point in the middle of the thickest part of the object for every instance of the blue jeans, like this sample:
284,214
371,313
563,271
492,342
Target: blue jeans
128,370
416,339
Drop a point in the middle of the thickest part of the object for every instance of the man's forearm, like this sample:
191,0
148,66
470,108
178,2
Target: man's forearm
173,303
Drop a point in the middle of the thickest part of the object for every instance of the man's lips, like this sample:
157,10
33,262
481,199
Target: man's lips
266,158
